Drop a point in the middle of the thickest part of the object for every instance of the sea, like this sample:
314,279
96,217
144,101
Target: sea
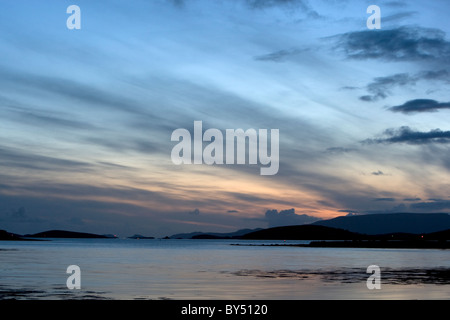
164,269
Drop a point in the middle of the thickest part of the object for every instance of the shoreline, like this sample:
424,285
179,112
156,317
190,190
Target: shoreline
364,244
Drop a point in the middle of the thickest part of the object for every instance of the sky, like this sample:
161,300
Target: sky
86,115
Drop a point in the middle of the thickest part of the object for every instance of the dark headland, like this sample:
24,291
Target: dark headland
213,235
66,234
338,238
384,223
4,235
302,232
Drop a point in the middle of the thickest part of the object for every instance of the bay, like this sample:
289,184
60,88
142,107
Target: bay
216,269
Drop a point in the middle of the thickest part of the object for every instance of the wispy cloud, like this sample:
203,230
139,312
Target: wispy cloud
300,5
16,158
396,4
71,89
384,199
399,16
412,199
280,56
381,87
339,150
43,118
194,212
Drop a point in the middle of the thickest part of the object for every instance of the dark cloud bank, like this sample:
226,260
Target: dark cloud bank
287,218
420,105
409,136
406,43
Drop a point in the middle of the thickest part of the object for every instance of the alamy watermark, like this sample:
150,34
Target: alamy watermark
374,281
74,20
191,151
74,280
374,21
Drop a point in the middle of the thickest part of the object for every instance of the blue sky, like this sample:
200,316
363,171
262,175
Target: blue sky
86,115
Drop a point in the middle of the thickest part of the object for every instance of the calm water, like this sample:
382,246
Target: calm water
214,269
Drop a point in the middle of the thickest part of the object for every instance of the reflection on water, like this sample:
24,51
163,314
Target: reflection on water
213,269
438,276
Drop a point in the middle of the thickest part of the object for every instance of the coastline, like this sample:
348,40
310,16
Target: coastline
368,244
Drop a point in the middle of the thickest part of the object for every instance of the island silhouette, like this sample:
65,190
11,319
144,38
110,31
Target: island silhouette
365,231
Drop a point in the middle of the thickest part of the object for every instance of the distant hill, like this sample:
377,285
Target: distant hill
440,235
302,232
139,236
314,232
64,234
416,223
5,235
109,235
213,235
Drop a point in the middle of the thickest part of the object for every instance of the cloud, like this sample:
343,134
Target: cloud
253,198
420,105
122,144
20,213
195,212
338,150
398,208
279,56
76,221
263,4
434,75
436,205
114,165
70,89
396,4
380,87
406,135
406,43
91,195
384,199
301,7
16,158
105,209
399,16
19,216
350,212
412,199
178,3
291,4
287,217
40,118
350,88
